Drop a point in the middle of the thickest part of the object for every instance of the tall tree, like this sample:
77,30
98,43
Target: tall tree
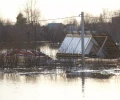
20,19
31,11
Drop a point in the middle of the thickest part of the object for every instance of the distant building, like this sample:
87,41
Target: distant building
116,20
55,25
71,27
67,28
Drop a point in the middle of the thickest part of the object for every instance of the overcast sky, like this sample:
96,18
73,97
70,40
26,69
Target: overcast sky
58,8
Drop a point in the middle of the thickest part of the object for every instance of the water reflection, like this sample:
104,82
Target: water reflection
9,77
31,79
88,75
62,86
1,76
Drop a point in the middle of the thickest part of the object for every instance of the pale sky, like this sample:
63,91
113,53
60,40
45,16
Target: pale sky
58,8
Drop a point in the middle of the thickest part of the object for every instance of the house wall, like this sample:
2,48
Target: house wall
100,54
88,49
93,40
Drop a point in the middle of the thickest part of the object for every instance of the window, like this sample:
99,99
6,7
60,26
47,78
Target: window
73,45
78,49
65,44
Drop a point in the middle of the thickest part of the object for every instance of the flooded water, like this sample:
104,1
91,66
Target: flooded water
57,85
49,50
84,85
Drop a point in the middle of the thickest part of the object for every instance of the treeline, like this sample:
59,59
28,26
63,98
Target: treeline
30,32
27,27
108,22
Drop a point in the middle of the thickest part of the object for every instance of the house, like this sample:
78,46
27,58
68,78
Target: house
55,25
95,45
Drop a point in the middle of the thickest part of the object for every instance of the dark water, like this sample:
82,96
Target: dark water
82,85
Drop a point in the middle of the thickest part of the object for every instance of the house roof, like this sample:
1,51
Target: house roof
107,45
71,46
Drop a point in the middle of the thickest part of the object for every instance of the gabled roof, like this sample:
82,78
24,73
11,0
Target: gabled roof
72,43
107,45
71,46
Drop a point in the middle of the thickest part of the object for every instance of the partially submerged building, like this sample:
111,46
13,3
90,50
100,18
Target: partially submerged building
95,45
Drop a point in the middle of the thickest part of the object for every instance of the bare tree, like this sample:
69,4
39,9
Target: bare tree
8,22
31,11
91,22
70,21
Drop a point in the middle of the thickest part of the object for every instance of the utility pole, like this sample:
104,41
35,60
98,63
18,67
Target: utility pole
35,26
82,39
35,37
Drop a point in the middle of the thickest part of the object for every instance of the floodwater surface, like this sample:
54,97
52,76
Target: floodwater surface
61,86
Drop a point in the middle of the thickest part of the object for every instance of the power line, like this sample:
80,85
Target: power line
59,18
52,19
98,17
66,18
